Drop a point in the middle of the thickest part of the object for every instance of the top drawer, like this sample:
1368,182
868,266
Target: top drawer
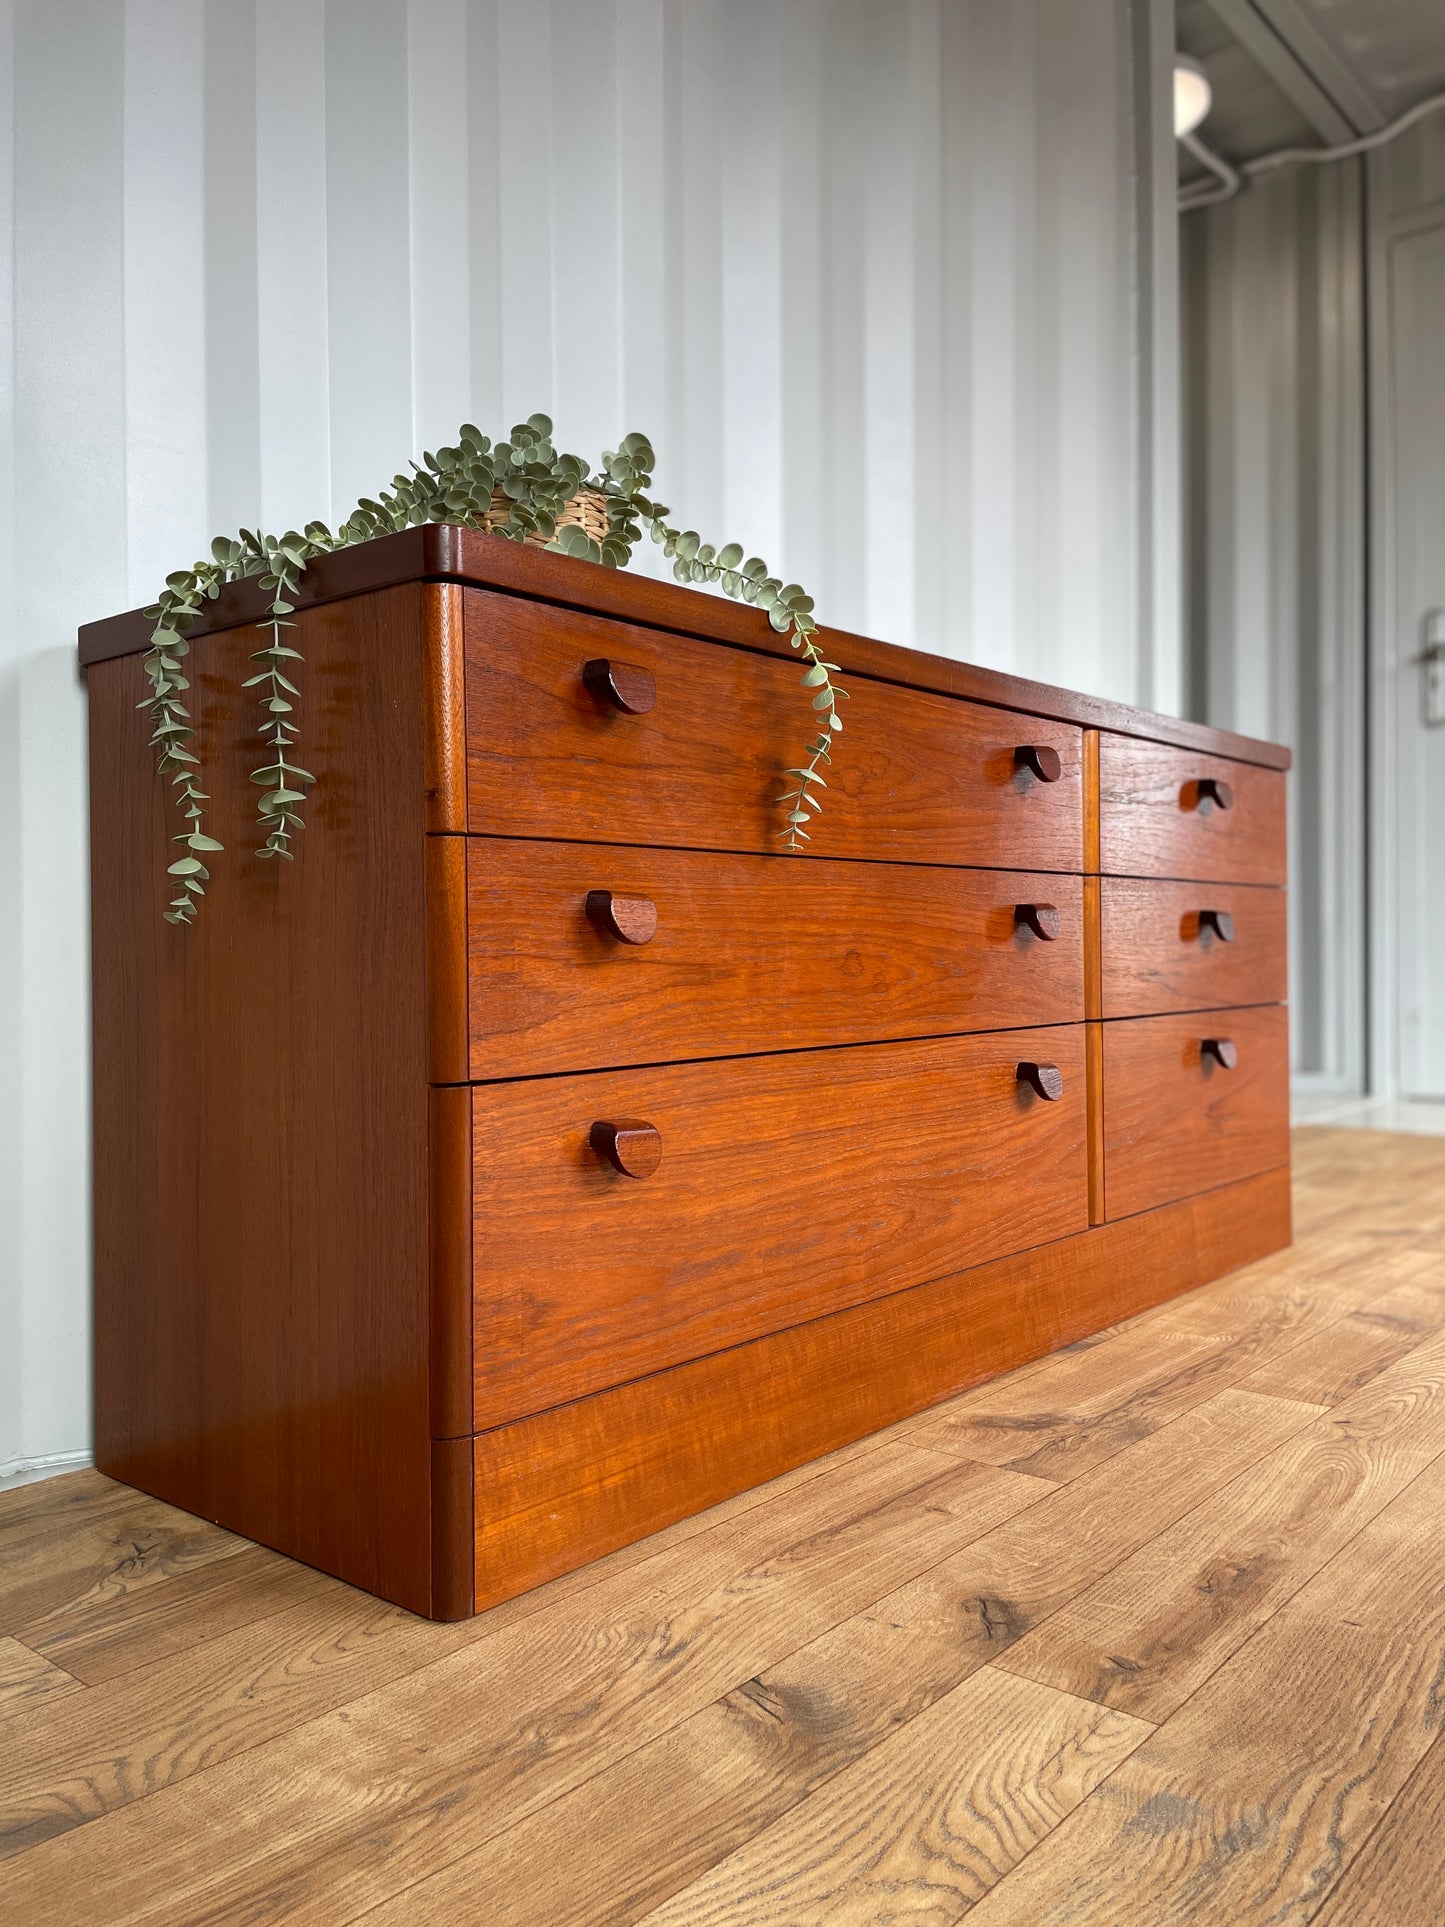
1175,813
915,777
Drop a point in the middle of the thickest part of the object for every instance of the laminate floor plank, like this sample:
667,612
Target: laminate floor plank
1398,1875
131,1736
1247,1804
626,1839
800,1704
96,1554
926,1823
113,1630
1063,1423
1149,1633
161,1722
26,1679
1338,1361
74,1497
350,1808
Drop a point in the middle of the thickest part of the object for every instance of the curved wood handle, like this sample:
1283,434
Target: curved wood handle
1214,789
1223,1050
1046,1079
1042,759
1220,922
629,1145
1042,918
628,919
621,684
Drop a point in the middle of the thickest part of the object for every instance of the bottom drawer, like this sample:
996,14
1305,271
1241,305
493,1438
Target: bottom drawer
1192,1102
787,1186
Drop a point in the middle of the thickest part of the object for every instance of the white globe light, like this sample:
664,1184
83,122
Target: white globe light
1192,94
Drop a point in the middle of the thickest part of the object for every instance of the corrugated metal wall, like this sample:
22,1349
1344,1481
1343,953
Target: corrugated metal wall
1274,374
890,286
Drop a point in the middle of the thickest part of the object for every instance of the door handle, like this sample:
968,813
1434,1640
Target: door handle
1432,660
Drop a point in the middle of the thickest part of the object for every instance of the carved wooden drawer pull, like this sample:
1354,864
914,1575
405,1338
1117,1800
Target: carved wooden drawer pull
1042,759
1046,1079
1223,1050
1041,918
1220,922
629,919
1214,789
629,1145
621,684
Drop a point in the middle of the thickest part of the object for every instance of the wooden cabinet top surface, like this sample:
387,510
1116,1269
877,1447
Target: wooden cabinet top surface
441,553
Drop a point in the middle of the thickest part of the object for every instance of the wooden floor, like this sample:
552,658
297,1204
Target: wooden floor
1151,1632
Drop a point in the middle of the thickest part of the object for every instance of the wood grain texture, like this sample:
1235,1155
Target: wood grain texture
437,552
1345,1356
927,1822
916,777
1275,1329
449,1259
591,1750
1401,1865
789,1186
640,1830
447,1020
1176,1121
1150,1634
1321,1719
1094,1095
584,1478
27,1677
1157,958
1093,956
1152,822
1091,802
454,1525
119,1629
260,1115
444,716
100,1543
131,1736
316,1827
750,954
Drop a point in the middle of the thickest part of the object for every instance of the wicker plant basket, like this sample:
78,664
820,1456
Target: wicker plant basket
587,509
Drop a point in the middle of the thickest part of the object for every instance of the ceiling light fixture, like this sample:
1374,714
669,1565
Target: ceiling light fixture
1192,94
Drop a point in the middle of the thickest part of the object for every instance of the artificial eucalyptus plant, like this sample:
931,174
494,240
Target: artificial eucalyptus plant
521,489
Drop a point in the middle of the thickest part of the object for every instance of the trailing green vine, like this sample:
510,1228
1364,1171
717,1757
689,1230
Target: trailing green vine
522,489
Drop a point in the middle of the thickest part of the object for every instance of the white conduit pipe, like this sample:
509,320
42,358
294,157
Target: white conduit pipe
1233,180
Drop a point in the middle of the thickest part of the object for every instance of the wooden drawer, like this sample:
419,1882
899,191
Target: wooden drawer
1157,819
750,953
789,1186
916,777
1176,1121
1187,946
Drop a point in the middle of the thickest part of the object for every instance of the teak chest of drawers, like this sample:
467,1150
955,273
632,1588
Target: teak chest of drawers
544,1157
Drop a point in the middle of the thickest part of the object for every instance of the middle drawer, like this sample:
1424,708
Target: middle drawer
583,956
1190,946
787,1187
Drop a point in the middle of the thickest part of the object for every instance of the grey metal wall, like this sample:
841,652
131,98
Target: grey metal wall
1274,404
891,286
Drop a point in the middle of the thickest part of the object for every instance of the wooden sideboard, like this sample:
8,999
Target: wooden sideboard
543,1157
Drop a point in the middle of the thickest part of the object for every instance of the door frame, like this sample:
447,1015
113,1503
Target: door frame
1387,233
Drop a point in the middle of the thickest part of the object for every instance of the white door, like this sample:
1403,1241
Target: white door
1411,611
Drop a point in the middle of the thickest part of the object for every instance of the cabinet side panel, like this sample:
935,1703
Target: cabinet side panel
260,1112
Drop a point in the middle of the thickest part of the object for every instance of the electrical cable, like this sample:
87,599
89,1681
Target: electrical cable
1233,180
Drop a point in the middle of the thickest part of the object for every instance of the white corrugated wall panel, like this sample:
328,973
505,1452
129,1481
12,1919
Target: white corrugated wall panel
887,285
1273,296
